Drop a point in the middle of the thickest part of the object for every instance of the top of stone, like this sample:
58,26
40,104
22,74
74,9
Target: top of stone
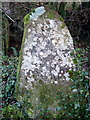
44,13
38,12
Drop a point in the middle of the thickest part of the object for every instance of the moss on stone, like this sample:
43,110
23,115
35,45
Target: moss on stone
26,19
61,19
47,96
63,25
51,15
20,63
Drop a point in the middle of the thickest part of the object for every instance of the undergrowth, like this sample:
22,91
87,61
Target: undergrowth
71,106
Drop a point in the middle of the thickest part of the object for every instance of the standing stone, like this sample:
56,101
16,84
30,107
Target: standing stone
44,62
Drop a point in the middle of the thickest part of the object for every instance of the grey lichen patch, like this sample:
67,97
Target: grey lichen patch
46,51
38,12
34,15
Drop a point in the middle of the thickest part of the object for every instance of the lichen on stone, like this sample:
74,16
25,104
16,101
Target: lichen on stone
48,45
38,12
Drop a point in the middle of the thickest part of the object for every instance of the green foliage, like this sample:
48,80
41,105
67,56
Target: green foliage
26,19
45,115
15,52
12,112
63,9
9,71
79,87
75,103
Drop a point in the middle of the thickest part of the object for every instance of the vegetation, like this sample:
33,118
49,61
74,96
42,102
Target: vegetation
72,105
9,71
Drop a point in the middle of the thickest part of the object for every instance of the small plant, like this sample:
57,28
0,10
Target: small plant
45,115
14,112
15,52
9,71
80,85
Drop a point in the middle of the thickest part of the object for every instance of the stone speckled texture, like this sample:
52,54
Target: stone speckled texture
45,62
46,53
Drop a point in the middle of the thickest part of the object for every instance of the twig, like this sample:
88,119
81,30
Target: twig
7,15
10,19
5,29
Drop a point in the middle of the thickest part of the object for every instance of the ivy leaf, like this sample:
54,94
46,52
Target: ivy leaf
77,105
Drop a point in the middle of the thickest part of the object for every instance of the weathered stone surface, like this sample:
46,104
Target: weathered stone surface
44,62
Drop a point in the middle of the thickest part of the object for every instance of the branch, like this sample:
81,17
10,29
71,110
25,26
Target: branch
7,15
